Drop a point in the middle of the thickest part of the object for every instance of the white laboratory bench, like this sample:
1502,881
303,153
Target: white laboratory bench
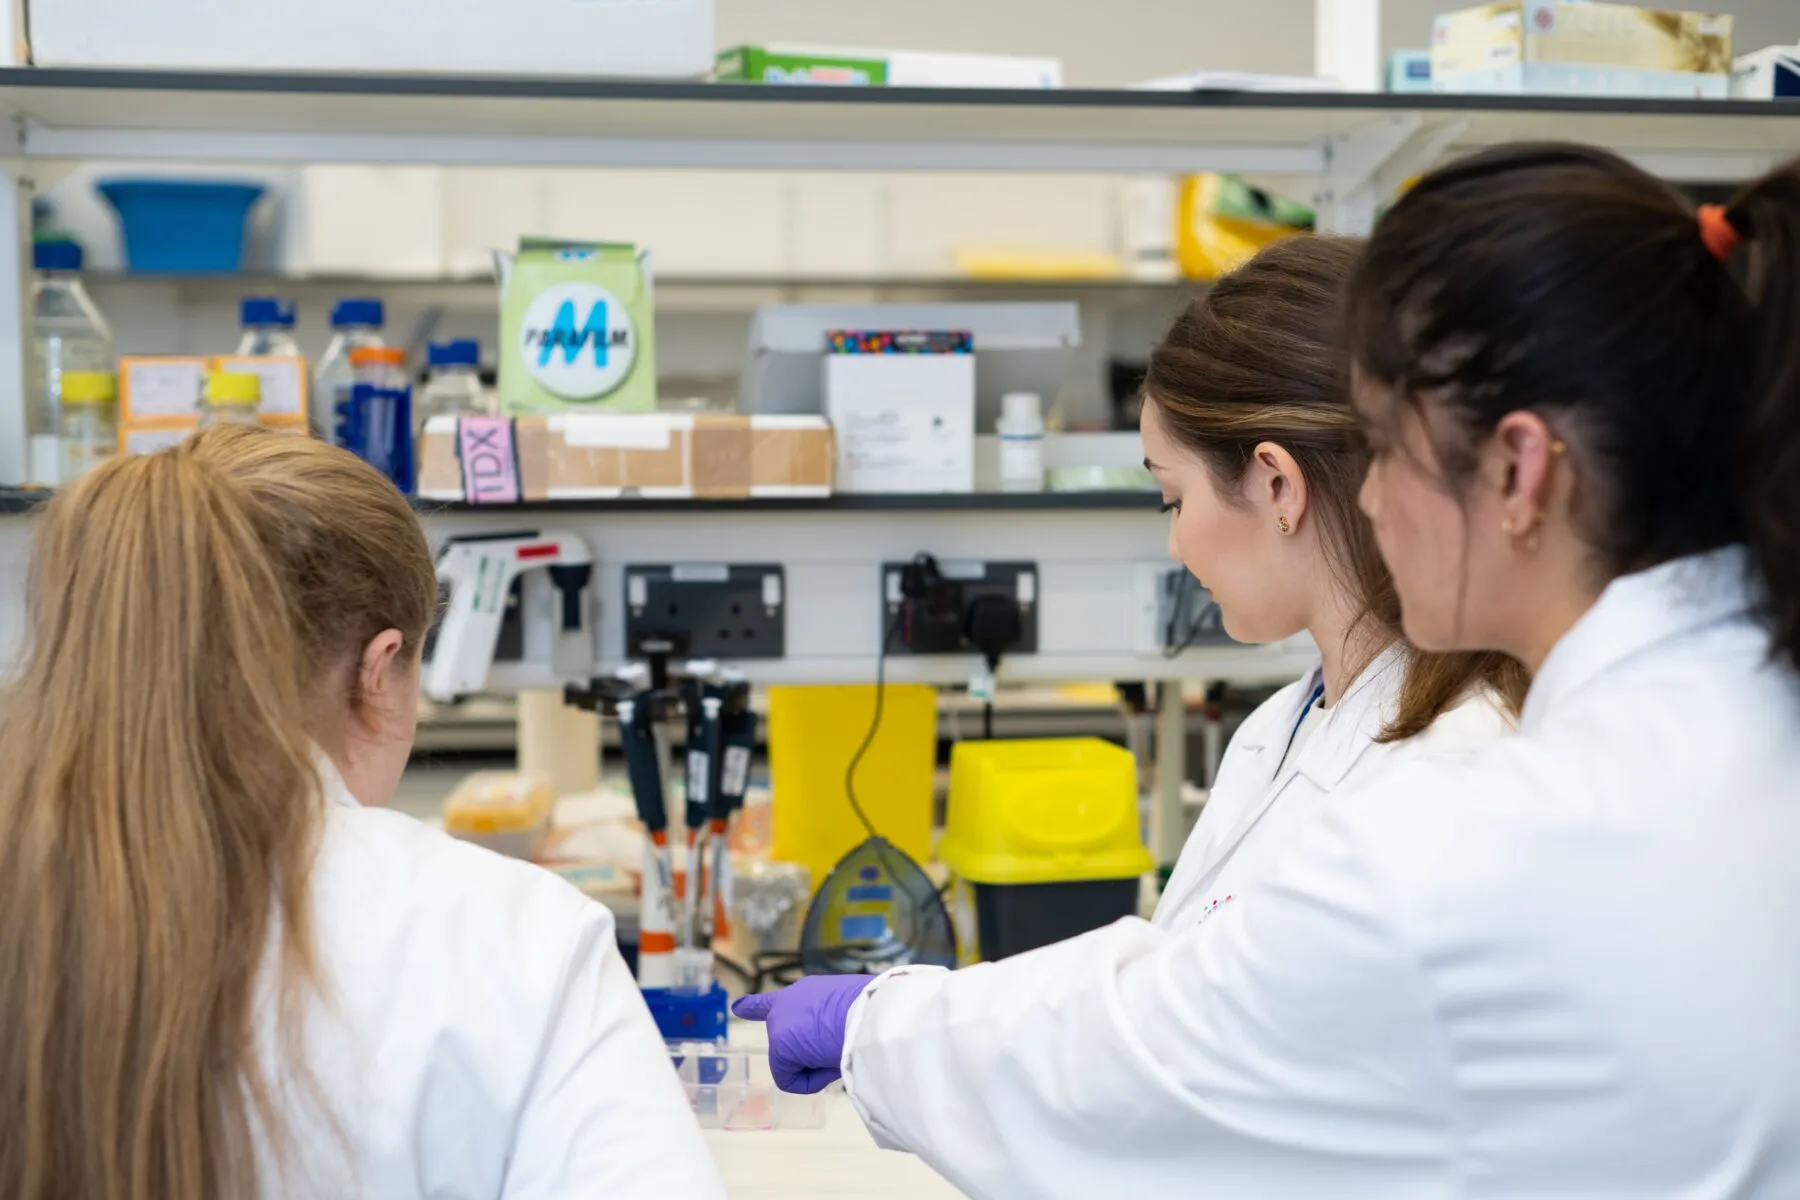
837,1162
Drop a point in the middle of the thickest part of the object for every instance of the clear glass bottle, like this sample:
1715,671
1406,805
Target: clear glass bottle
453,384
90,421
68,333
231,399
355,324
268,325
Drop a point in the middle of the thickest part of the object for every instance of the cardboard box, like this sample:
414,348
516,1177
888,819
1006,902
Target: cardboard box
1570,47
595,456
669,38
1772,73
577,328
159,396
905,422
872,67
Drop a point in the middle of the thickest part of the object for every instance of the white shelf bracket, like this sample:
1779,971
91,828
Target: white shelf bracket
16,189
1364,167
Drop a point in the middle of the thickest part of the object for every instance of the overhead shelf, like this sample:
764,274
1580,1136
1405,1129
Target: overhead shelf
187,116
14,501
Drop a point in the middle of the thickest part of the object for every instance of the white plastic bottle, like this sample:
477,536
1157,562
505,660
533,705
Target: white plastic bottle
268,328
355,325
453,386
67,334
1021,429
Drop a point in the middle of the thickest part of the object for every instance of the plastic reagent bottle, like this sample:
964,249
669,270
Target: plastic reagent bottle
67,334
453,386
355,325
90,427
231,399
268,328
1021,429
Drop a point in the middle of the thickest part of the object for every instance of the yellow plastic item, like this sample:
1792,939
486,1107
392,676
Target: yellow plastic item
89,387
1043,812
1217,232
982,262
813,732
233,387
506,811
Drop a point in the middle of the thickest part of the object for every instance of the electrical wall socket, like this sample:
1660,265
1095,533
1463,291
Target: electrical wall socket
1171,609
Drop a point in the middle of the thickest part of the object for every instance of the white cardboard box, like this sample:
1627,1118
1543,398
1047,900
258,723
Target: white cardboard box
904,422
552,37
1767,74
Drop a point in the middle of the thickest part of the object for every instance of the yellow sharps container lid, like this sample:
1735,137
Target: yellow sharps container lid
1058,811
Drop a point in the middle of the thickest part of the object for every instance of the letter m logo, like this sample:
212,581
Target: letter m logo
565,336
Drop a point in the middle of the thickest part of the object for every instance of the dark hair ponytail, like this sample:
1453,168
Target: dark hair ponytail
1562,279
1767,215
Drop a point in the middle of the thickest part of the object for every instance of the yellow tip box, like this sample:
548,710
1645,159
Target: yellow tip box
1046,835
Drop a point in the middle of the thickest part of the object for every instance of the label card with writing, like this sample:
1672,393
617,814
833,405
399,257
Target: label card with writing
490,464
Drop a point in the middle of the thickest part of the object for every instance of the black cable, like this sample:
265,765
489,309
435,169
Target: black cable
874,726
1171,648
987,721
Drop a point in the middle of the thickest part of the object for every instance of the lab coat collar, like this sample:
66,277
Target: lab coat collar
331,783
1349,727
1638,611
1352,724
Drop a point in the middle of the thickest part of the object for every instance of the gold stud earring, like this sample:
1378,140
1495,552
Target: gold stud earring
1281,523
1558,446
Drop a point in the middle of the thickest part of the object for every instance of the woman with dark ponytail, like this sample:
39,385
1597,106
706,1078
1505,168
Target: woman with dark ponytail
1567,965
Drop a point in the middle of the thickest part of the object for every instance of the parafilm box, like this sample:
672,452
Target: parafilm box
577,331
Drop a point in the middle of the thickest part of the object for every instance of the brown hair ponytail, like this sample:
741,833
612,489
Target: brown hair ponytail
159,810
1261,358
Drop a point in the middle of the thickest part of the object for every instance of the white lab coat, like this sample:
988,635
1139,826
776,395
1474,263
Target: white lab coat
1567,967
1258,804
480,1037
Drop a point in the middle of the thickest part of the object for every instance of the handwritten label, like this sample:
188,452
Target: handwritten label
490,465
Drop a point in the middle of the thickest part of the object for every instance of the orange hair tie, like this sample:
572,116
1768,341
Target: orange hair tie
1717,231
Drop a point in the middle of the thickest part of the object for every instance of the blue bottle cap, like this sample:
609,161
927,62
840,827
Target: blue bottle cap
357,310
463,352
56,256
266,310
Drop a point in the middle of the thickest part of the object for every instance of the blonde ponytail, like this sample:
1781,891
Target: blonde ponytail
160,809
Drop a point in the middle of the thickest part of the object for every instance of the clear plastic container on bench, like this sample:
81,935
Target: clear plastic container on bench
733,1089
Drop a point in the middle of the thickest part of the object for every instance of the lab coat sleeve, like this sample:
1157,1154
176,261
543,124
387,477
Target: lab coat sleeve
1286,1047
606,1115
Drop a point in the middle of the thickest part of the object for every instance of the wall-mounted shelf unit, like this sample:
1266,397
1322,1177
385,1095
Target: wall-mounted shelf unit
191,116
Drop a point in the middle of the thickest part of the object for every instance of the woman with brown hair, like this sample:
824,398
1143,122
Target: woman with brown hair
1564,965
1248,428
221,976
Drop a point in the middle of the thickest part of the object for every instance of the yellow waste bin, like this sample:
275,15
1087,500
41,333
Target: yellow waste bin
1046,836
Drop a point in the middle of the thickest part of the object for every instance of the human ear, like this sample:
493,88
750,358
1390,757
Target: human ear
1275,480
375,674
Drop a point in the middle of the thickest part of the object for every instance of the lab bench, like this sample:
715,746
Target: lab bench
839,1162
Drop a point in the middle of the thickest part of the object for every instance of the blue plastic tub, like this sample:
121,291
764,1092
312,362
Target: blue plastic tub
181,226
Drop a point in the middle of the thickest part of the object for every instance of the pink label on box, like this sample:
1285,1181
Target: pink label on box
490,462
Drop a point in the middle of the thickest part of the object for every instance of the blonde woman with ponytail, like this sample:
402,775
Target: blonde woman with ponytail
222,976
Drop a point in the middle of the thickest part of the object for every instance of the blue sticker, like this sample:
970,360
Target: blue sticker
862,929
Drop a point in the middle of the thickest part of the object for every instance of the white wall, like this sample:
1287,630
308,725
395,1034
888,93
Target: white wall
1102,43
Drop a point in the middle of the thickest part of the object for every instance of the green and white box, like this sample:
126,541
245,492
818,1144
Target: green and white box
577,328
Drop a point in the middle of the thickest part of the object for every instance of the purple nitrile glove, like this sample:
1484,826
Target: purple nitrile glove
806,1028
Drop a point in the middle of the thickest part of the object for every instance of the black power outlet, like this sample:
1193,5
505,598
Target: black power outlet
706,611
936,619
